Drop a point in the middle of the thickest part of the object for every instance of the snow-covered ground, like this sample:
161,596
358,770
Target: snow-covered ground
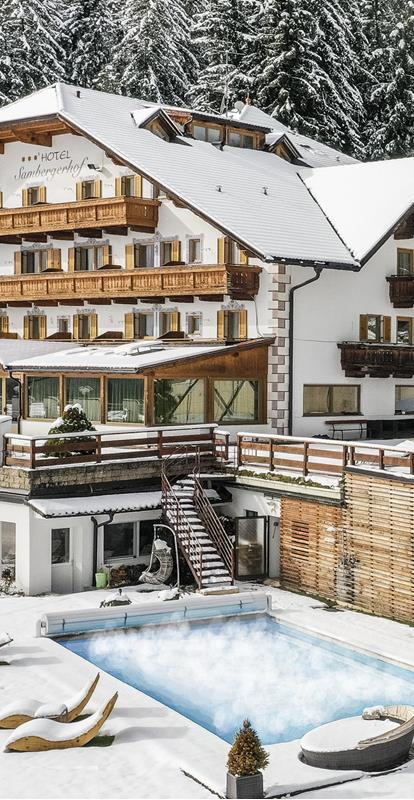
154,747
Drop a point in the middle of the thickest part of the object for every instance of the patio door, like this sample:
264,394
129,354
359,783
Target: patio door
251,547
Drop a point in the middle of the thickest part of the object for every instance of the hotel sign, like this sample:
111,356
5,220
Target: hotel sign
49,164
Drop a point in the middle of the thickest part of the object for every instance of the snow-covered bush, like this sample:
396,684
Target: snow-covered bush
72,420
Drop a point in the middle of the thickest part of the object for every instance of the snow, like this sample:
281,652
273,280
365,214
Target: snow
102,504
153,744
344,734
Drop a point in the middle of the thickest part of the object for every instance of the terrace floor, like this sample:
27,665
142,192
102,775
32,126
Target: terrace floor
154,746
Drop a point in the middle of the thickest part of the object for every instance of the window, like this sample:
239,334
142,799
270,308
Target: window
170,252
326,400
63,325
88,190
144,325
4,323
179,402
129,186
144,255
404,330
35,326
404,399
125,400
7,548
89,258
33,261
42,398
119,540
404,262
169,322
230,252
194,324
374,328
158,129
194,251
34,195
85,326
250,514
236,401
146,536
231,324
86,392
60,545
207,133
236,139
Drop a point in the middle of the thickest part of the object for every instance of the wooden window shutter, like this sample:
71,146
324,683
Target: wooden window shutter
4,324
223,250
176,250
1,199
76,326
25,197
129,325
386,329
97,188
26,327
42,194
175,321
42,327
79,190
107,254
244,256
363,327
71,259
18,257
93,326
54,259
243,324
130,256
138,185
222,324
118,187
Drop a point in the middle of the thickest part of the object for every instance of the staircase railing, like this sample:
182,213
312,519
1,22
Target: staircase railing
188,540
214,528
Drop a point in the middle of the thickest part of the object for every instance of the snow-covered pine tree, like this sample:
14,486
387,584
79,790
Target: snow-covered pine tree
391,128
224,37
92,38
33,45
154,60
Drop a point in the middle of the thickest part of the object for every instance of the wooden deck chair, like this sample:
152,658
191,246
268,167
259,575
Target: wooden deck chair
5,638
24,710
46,734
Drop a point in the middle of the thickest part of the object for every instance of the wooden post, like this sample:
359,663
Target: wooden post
32,453
411,463
380,458
305,459
98,451
272,455
352,455
160,444
344,457
239,457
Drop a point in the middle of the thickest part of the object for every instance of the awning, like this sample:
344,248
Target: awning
102,504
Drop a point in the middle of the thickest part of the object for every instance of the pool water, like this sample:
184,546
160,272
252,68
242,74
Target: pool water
219,673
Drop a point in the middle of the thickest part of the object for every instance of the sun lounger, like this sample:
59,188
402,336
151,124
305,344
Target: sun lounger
5,638
46,734
21,711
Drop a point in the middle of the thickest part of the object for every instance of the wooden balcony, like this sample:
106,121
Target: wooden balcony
360,359
206,280
401,289
113,214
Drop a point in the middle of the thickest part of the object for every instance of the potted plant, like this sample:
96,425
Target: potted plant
246,758
101,578
72,420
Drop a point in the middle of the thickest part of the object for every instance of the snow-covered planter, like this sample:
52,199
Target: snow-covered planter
72,420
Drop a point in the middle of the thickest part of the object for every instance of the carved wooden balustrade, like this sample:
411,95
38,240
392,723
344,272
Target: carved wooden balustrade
377,360
240,281
401,290
92,214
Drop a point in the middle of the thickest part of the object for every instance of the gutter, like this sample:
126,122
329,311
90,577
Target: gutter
318,272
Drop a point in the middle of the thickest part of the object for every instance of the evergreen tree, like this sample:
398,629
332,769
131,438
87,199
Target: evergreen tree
92,38
32,46
153,60
72,420
224,37
247,756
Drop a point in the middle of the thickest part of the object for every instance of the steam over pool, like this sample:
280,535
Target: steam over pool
218,674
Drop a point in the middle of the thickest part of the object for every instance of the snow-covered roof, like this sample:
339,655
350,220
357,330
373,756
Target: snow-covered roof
283,223
364,202
101,504
13,349
133,357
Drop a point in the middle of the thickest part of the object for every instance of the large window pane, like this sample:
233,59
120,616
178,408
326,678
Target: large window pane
345,399
125,400
43,398
119,540
179,402
236,401
404,262
86,392
316,399
404,399
60,545
328,399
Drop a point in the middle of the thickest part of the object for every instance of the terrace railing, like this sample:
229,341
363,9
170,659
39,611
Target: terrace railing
308,455
36,452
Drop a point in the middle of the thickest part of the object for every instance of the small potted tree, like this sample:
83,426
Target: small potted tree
246,758
73,420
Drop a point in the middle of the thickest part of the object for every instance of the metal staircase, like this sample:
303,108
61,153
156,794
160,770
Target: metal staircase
204,542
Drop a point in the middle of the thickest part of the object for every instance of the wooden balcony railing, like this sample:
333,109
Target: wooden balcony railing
94,214
359,359
401,289
309,456
240,281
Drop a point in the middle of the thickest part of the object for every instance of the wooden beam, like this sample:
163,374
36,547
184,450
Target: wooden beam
187,298
89,233
64,235
118,230
41,139
74,302
2,148
19,304
35,237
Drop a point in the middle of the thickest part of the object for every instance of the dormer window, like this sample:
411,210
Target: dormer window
158,129
208,133
236,139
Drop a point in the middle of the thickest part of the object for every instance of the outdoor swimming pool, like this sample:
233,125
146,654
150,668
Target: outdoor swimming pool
219,673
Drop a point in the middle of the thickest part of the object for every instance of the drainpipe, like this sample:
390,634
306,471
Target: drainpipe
96,526
318,271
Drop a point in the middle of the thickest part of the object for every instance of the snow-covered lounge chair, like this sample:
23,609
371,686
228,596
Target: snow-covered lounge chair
5,638
24,710
46,734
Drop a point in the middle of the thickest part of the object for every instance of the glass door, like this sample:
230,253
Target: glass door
251,547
